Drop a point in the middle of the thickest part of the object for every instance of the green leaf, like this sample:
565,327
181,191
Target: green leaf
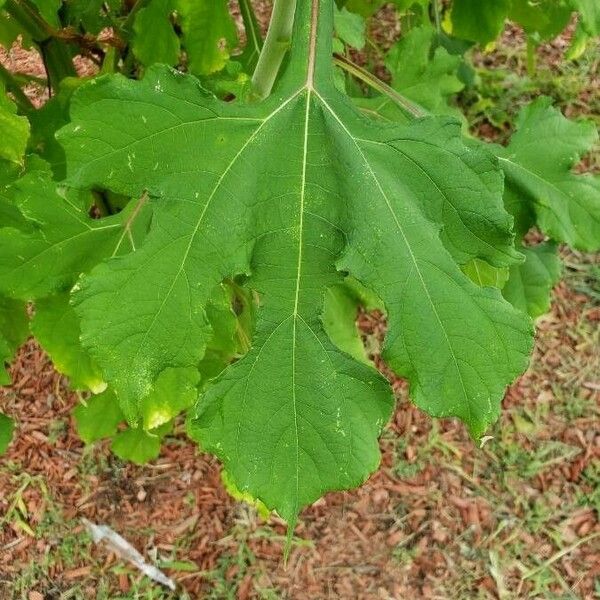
91,15
538,165
10,215
428,79
484,21
588,26
231,312
14,130
98,418
293,192
56,327
543,19
49,9
236,494
46,120
350,28
485,275
367,8
7,427
155,40
477,20
10,30
364,8
589,11
209,34
137,445
529,284
65,241
174,391
339,320
14,328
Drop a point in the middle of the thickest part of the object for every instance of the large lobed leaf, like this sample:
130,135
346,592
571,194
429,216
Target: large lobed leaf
295,191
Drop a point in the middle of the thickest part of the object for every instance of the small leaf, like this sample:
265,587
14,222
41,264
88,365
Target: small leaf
7,427
424,73
340,311
56,327
589,11
209,34
13,332
544,19
91,15
174,391
350,28
14,130
48,10
364,8
136,445
484,274
477,20
98,418
155,40
529,284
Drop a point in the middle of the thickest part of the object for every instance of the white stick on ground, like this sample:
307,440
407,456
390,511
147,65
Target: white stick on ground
103,533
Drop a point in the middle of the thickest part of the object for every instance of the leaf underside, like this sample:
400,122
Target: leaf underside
294,192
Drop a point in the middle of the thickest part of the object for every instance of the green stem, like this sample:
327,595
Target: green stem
12,85
412,110
29,19
57,61
277,43
254,41
438,16
531,57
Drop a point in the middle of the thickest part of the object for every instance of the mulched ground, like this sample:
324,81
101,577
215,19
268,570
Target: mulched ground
442,519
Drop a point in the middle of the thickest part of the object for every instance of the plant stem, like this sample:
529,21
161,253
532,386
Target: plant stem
12,85
531,57
437,15
277,43
57,60
29,19
412,110
254,41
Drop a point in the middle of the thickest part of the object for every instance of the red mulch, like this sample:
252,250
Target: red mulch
396,537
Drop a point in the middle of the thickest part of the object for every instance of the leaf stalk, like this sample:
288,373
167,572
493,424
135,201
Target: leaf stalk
13,86
409,108
277,44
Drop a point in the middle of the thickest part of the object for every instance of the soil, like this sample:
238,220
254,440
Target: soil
441,519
